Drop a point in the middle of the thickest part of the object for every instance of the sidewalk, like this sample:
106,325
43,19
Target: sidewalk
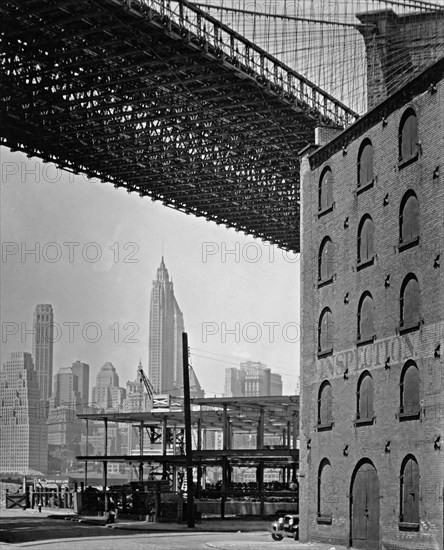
228,525
205,525
46,512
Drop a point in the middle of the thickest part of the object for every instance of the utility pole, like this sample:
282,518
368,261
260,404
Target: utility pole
188,442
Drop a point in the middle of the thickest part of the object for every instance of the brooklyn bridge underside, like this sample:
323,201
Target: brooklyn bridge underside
163,100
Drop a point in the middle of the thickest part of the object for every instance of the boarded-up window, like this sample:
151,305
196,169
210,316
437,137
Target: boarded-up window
325,261
410,491
365,398
326,489
408,136
410,316
410,389
326,190
325,331
325,404
365,240
365,164
366,324
409,219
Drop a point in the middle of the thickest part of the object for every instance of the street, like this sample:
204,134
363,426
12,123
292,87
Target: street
19,530
173,541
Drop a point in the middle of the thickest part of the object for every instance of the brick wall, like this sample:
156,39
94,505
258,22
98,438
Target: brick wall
346,444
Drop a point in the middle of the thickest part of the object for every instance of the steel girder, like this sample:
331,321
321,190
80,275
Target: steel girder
164,101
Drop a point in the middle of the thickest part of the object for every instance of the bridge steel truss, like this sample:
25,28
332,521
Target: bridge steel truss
162,99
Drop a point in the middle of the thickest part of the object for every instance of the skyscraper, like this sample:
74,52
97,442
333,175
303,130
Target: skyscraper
64,428
107,394
66,389
251,380
23,432
81,370
42,347
165,338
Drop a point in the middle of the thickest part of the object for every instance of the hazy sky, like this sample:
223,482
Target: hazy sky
99,285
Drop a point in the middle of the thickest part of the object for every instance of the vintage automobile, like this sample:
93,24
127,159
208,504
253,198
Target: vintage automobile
286,526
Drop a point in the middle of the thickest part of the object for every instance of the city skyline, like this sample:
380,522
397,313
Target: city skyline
42,348
84,380
224,280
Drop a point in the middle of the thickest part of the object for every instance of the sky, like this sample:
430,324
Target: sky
92,251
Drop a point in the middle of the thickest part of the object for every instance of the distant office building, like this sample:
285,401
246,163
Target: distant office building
137,400
275,384
42,347
81,370
23,433
234,382
64,437
64,428
107,394
165,338
252,379
65,389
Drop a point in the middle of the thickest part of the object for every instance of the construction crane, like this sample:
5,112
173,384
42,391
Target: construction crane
148,386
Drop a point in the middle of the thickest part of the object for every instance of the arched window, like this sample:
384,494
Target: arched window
409,218
365,398
409,386
366,324
326,190
325,404
326,488
365,163
325,331
410,315
365,240
408,136
325,260
409,506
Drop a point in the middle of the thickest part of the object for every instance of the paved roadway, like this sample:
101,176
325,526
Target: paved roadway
38,532
172,541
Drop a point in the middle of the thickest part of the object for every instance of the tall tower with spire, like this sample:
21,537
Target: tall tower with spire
165,338
42,348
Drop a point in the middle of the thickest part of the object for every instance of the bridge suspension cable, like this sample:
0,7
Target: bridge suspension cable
278,16
329,41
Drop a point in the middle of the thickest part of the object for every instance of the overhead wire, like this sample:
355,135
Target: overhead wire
286,372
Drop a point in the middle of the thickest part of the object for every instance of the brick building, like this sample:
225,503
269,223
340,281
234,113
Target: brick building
372,381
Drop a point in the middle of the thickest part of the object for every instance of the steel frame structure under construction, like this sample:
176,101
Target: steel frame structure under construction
160,98
250,415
